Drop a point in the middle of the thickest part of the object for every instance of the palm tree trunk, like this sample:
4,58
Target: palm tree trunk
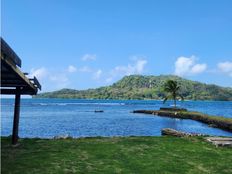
174,98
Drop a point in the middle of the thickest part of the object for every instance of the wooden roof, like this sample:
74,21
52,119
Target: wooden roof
11,75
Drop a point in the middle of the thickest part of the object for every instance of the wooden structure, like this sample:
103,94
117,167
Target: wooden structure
220,141
15,82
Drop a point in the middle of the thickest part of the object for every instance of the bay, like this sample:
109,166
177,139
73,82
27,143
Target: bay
46,118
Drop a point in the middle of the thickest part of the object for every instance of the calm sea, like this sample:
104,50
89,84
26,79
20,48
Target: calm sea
47,118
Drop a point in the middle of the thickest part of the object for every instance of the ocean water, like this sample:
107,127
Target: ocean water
46,118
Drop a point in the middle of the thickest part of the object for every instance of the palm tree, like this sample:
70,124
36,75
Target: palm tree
172,89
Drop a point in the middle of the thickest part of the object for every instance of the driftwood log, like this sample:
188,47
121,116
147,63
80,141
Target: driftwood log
173,132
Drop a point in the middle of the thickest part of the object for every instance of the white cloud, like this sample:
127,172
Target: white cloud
109,80
97,74
85,69
198,68
39,73
188,66
140,64
136,68
87,57
50,80
60,80
225,67
72,69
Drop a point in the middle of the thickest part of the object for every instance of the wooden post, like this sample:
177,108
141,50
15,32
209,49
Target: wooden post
16,117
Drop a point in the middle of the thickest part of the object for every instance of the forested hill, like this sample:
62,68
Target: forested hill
145,87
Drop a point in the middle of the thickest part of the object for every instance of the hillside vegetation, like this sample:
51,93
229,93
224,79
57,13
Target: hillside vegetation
145,87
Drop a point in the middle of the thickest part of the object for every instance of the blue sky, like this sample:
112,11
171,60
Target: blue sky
91,43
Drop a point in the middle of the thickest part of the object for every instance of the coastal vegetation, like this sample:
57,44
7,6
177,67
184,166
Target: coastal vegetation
146,87
115,155
173,91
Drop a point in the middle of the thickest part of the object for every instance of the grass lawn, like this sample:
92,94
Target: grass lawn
115,155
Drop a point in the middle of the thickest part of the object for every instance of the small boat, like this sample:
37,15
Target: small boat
98,111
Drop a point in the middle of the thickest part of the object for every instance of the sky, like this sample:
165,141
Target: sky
82,44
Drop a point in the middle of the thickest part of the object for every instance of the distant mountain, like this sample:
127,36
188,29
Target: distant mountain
145,87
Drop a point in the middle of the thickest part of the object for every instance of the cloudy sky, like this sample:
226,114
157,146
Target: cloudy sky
86,44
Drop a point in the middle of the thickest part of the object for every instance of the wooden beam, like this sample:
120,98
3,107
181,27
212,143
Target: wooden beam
36,82
16,117
12,84
14,91
8,51
11,75
8,91
19,75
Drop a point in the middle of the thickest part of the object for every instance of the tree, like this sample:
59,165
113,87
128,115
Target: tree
172,89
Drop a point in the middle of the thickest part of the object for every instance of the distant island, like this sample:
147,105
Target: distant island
145,88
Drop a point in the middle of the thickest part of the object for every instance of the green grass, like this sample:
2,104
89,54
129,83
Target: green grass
115,155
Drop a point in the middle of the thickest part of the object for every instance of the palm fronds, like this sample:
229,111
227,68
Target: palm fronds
172,89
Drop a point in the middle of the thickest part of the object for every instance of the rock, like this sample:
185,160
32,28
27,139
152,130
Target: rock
212,125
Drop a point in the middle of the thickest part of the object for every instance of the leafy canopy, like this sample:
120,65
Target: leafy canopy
172,89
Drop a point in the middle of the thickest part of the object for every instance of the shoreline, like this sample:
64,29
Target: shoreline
213,121
186,100
160,100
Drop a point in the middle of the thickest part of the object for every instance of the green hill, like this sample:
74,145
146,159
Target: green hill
145,87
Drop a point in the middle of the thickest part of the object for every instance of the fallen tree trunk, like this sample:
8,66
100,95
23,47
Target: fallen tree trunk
173,132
